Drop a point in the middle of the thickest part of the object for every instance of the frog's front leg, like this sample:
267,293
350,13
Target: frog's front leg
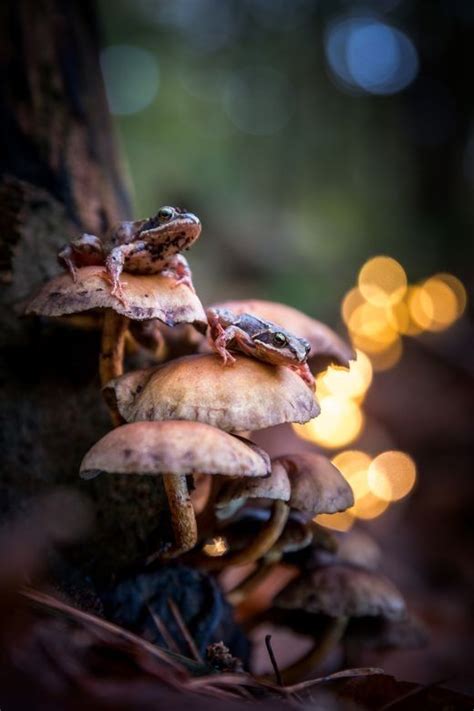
219,337
83,252
178,269
115,263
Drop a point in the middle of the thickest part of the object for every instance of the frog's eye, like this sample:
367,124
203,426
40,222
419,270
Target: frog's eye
165,214
279,339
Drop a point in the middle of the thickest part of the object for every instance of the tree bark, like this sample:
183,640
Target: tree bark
59,176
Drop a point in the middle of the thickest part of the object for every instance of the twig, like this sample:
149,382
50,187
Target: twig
53,603
268,644
184,630
413,692
161,627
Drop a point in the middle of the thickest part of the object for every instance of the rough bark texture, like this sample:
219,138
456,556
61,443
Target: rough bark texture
59,176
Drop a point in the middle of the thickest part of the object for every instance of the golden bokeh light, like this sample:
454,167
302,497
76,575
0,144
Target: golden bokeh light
352,382
342,521
457,287
391,475
353,465
371,329
216,547
368,506
388,358
382,281
434,305
340,422
352,300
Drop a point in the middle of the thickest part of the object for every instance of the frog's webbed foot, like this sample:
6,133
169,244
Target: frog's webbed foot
305,373
178,269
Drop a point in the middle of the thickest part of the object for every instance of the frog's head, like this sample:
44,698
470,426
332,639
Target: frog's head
275,345
173,224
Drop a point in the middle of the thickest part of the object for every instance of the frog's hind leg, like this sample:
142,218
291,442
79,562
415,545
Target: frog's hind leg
83,252
179,270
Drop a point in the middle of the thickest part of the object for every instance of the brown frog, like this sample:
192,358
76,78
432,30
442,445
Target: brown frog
148,246
258,338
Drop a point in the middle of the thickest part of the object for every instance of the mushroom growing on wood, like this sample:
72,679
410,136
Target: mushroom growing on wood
249,396
147,296
326,346
174,450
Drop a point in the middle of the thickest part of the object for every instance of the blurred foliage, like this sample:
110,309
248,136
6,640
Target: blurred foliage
298,179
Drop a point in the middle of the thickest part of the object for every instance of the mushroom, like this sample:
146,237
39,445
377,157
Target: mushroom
174,450
248,396
337,592
326,346
275,488
147,296
308,484
354,547
317,486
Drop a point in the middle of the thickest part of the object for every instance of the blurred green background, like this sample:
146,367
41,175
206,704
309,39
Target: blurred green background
307,135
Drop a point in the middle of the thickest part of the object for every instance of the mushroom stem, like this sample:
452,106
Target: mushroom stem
206,520
304,666
264,540
183,518
250,583
112,350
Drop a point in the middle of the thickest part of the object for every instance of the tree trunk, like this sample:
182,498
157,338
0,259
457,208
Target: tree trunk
59,176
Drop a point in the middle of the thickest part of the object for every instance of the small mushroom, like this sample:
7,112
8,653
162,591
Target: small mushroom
174,450
317,486
337,592
326,346
250,395
275,488
354,547
147,296
343,591
307,483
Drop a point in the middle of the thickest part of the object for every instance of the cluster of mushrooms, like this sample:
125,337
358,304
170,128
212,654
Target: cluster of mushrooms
191,418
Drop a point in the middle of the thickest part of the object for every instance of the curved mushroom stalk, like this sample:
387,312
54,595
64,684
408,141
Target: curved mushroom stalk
294,537
318,652
264,540
183,518
112,351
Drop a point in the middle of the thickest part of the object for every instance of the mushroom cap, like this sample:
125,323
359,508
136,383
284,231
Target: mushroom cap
147,296
173,447
325,343
317,486
294,537
358,548
343,591
248,395
275,486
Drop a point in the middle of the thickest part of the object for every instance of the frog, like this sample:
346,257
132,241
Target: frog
148,246
264,340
